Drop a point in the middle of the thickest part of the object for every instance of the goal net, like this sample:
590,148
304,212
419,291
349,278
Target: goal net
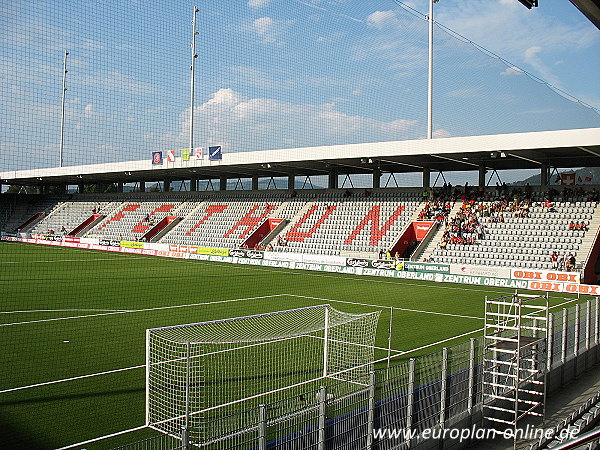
197,375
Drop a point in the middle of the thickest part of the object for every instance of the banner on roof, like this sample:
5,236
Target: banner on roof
198,152
214,153
157,158
171,156
185,154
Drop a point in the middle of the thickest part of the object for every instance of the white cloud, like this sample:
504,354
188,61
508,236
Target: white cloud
88,111
441,133
530,53
382,19
270,29
258,3
513,70
263,25
240,123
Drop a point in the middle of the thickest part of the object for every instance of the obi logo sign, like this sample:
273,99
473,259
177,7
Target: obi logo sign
545,276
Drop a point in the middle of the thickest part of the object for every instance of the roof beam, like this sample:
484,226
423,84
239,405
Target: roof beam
401,164
460,161
525,159
589,151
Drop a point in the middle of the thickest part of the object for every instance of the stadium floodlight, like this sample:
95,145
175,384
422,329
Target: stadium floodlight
208,378
529,3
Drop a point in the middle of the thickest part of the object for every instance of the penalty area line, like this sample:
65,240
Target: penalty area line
127,311
58,260
388,307
89,441
60,310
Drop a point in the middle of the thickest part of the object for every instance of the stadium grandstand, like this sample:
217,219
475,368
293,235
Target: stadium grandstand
543,227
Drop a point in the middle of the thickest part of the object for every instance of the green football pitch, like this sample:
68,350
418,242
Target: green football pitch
72,328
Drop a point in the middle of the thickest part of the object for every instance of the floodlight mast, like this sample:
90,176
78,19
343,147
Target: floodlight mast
62,113
192,68
430,73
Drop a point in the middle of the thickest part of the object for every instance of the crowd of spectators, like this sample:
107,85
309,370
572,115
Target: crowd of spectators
481,207
465,228
565,262
436,210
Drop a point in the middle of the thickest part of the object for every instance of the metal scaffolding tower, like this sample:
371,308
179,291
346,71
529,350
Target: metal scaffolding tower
515,359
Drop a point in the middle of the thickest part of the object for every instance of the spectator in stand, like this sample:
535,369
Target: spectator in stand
63,229
570,262
560,262
549,204
554,259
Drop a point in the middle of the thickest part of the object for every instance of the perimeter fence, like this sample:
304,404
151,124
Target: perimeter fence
403,405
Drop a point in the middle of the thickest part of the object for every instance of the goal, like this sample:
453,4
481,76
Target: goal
203,377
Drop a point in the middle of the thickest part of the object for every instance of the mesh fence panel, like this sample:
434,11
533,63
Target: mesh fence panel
393,400
428,391
459,366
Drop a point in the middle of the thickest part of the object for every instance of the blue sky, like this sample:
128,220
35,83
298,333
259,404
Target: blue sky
282,74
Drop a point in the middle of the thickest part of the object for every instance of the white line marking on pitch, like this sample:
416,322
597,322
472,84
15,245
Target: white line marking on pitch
126,311
387,307
79,377
60,310
59,260
89,441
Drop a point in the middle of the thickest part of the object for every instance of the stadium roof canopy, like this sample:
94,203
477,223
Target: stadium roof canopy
562,149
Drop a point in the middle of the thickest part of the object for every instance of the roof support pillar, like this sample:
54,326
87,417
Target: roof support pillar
482,174
376,178
119,186
223,183
80,188
544,174
142,186
193,184
167,185
255,182
426,177
291,181
333,179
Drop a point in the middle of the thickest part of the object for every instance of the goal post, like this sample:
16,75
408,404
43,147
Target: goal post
203,376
